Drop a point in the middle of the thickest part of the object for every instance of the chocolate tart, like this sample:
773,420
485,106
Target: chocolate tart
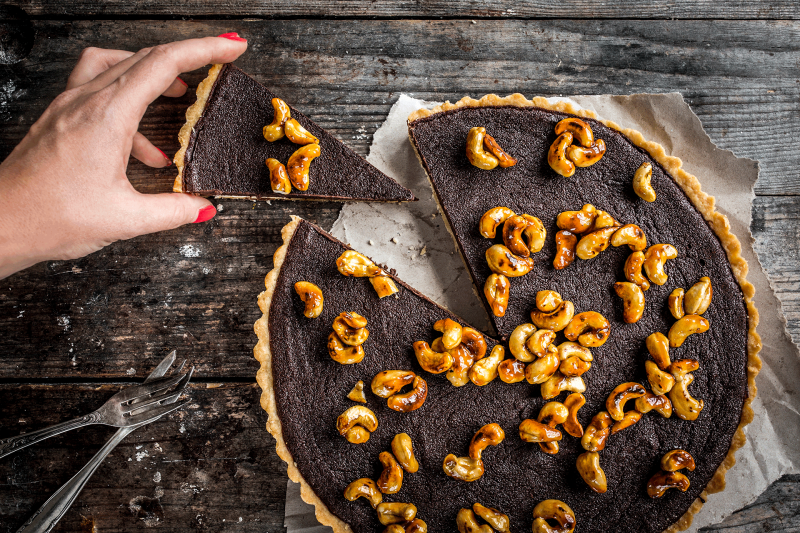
223,151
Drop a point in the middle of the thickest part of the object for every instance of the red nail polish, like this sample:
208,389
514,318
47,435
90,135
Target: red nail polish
207,213
169,161
233,36
183,82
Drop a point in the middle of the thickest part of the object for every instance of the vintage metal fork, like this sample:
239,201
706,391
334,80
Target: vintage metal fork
54,508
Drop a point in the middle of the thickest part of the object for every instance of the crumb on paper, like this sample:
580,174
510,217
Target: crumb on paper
395,240
424,250
370,242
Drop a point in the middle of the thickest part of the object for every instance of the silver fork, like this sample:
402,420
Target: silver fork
54,508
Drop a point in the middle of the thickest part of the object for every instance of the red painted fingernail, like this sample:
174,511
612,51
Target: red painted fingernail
207,213
169,161
233,36
183,82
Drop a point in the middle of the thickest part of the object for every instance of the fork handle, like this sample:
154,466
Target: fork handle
12,444
54,508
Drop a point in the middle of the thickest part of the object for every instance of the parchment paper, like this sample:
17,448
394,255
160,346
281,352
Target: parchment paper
412,238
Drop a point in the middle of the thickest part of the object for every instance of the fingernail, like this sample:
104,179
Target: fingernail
169,161
183,82
207,213
233,36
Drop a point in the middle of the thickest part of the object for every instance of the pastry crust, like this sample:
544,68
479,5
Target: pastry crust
718,222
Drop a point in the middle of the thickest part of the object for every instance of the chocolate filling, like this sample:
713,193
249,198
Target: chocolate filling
227,151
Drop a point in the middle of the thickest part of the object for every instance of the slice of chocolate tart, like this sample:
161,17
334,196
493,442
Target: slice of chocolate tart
225,152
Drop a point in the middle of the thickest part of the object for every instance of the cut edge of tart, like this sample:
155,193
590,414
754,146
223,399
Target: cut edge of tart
703,202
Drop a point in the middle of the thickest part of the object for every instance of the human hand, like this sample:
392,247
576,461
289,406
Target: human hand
63,190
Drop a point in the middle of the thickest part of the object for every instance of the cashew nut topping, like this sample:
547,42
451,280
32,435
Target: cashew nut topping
412,400
661,382
491,219
278,179
357,393
654,260
466,522
595,242
559,383
517,342
463,468
566,243
632,235
557,155
474,341
383,285
299,163
652,402
387,384
658,346
451,332
577,221
542,369
391,478
364,488
628,419
488,435
548,300
534,234
682,367
511,371
539,343
403,451
475,150
311,295
615,403
395,513
632,300
687,325
641,182
458,375
394,528
677,459
573,403
556,320
675,303
356,424
555,510
663,481
416,526
578,128
698,298
431,360
605,220
502,261
485,370
523,234
574,366
684,404
343,354
633,270
589,150
552,414
586,157
349,329
495,518
533,431
496,290
590,329
596,433
274,131
588,464
297,133
352,263
491,144
570,349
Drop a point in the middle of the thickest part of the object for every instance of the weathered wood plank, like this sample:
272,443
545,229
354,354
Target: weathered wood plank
776,510
577,9
210,467
740,77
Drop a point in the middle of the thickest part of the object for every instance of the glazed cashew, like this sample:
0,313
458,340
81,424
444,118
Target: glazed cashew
566,243
595,242
605,220
430,360
652,402
352,263
698,298
553,510
391,478
502,261
586,157
466,522
574,366
573,403
559,383
633,270
678,459
451,332
588,465
540,343
597,432
557,155
533,431
458,375
590,329
511,371
632,235
661,382
513,229
548,300
403,451
682,367
357,393
343,354
474,341
684,404
552,414
383,285
588,151
356,424
463,468
278,179
389,382
534,234
654,260
411,400
658,346
570,349
632,301
364,488
615,403
555,320
496,290
517,342
485,370
502,156
628,419
299,163
475,150
675,303
641,182
663,481
542,369
311,295
488,435
491,219
395,513
297,133
577,221
495,518
578,128
687,325
274,131
347,327
416,526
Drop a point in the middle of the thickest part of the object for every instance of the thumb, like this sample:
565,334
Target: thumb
170,210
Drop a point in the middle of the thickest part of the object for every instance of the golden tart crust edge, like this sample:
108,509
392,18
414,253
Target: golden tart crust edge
704,203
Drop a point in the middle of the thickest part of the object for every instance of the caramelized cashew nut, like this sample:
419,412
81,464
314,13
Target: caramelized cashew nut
391,478
416,526
364,488
517,342
684,404
628,419
548,300
484,371
590,329
658,346
595,242
543,369
687,325
574,366
559,383
299,163
356,394
566,243
502,261
578,128
588,465
488,435
677,459
395,512
383,285
652,402
518,226
274,131
663,481
403,451
675,303
654,260
615,403
632,235
451,332
387,384
496,290
555,320
552,414
632,301
698,298
497,520
573,403
586,157
463,468
491,219
597,432
356,424
511,371
347,327
431,360
466,522
557,155
352,263
660,382
463,359
539,344
311,295
278,178
533,431
343,354
502,156
633,270
553,510
297,133
569,349
474,341
475,150
641,182
577,221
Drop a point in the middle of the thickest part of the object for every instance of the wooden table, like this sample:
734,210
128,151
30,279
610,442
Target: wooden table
75,331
